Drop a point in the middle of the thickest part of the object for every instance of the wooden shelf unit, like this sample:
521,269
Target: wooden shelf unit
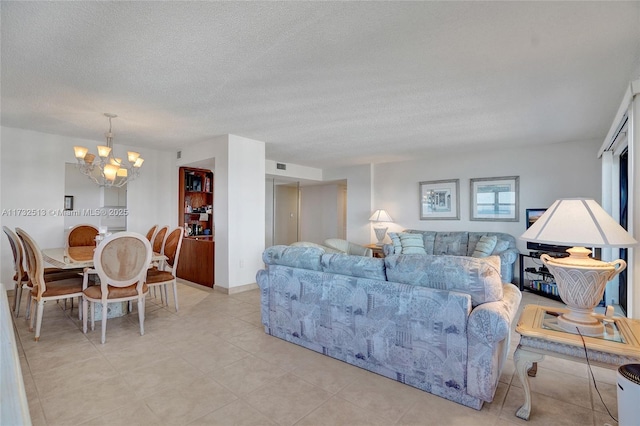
195,214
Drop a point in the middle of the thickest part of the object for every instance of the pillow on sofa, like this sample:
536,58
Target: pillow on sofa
501,245
407,243
477,277
485,246
412,243
395,241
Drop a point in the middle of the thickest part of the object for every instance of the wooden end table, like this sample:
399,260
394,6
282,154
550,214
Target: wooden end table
540,336
376,249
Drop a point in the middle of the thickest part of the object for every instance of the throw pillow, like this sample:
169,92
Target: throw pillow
412,243
485,246
395,240
501,246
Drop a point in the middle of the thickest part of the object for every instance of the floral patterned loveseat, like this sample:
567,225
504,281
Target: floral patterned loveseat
438,323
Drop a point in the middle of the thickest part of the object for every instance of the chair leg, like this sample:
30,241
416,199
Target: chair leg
79,307
104,322
28,311
39,319
32,315
141,314
17,299
163,290
93,315
85,307
175,294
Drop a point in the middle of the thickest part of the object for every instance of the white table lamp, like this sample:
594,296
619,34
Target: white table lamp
378,217
581,280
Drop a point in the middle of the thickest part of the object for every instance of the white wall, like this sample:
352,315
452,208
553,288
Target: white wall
320,212
32,176
359,200
547,172
238,206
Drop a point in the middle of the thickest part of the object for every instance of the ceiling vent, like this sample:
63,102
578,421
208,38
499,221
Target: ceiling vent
281,166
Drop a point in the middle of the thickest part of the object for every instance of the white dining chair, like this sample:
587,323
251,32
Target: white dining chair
121,262
44,290
165,274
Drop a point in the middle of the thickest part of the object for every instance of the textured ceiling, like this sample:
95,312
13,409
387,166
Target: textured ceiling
323,84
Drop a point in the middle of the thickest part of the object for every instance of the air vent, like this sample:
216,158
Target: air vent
179,155
281,166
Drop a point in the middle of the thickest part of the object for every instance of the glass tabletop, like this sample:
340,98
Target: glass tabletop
611,330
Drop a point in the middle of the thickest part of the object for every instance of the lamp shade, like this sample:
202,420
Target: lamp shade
578,222
380,216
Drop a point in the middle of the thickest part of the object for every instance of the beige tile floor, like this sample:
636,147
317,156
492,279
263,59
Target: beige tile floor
211,363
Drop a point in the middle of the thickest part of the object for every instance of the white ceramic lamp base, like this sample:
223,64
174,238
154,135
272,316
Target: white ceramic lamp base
380,234
581,282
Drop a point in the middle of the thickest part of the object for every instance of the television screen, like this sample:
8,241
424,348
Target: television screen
532,215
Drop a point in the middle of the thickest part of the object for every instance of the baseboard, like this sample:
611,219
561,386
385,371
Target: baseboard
235,290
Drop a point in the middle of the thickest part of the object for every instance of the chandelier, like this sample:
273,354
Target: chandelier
108,170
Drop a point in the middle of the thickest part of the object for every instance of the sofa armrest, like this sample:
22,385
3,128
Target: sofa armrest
489,332
507,263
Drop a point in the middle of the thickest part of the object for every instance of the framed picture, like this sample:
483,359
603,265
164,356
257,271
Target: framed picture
68,202
440,199
495,199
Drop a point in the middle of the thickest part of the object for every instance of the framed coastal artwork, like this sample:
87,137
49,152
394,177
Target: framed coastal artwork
439,199
495,199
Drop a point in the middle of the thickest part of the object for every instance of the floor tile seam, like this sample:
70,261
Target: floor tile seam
369,410
214,410
275,420
244,355
302,377
68,368
76,391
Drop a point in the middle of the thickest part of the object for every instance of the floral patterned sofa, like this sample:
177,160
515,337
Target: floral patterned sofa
438,323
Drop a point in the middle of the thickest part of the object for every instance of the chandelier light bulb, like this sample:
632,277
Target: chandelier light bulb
80,152
109,170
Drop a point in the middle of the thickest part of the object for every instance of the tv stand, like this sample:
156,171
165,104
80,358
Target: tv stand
545,284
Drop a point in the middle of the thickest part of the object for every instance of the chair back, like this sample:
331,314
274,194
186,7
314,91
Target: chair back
151,233
121,260
82,235
158,239
171,248
18,254
34,261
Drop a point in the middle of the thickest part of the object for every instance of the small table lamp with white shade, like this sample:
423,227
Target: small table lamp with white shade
378,217
581,280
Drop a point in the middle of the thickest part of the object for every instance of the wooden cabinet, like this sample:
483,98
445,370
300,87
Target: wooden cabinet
196,260
195,214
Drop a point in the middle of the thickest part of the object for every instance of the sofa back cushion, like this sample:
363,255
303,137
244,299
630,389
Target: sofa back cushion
485,246
296,257
354,266
503,241
452,243
477,277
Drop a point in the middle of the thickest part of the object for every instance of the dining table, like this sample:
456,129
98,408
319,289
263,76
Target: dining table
82,257
79,257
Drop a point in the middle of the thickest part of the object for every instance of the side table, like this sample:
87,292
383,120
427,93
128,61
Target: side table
540,336
376,249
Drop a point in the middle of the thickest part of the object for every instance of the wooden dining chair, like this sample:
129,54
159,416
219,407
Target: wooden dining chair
21,277
44,290
121,262
165,275
151,233
82,235
158,239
